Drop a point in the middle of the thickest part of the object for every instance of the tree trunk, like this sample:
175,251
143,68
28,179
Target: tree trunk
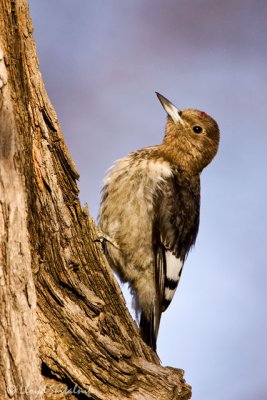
65,331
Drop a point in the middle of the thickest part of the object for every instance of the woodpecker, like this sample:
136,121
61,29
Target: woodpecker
149,211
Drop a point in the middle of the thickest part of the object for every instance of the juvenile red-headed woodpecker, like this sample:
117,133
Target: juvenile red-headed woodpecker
150,211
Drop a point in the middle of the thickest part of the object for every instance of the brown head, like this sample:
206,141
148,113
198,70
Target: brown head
191,137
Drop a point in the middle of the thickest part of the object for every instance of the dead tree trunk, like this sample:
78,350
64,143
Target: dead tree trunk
65,331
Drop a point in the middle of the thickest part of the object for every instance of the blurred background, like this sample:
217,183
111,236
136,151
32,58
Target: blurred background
102,62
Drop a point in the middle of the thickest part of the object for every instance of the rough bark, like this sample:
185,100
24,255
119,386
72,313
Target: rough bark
65,331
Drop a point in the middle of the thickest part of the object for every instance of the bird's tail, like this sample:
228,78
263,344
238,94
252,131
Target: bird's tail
149,324
149,327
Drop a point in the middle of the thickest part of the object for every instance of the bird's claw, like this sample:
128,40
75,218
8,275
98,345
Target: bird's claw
103,239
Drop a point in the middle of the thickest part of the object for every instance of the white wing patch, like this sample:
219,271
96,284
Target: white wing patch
174,266
169,293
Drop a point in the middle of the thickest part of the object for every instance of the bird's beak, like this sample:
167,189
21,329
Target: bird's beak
170,109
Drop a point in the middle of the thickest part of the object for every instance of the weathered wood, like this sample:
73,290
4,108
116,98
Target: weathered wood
19,363
78,339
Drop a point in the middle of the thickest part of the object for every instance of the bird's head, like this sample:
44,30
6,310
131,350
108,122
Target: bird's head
191,137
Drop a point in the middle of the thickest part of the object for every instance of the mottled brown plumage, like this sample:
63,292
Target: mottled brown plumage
150,209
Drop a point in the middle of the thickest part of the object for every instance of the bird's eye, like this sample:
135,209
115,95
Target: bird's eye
197,129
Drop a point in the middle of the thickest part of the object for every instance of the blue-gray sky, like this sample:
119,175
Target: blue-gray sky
102,62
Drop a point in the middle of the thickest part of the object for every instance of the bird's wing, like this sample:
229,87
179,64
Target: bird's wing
168,264
168,242
175,226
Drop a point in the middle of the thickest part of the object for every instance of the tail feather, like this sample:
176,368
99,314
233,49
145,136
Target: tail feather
149,327
149,324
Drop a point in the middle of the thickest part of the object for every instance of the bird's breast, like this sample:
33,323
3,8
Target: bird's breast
130,184
127,207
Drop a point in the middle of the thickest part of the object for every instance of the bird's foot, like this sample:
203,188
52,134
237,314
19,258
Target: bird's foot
103,238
